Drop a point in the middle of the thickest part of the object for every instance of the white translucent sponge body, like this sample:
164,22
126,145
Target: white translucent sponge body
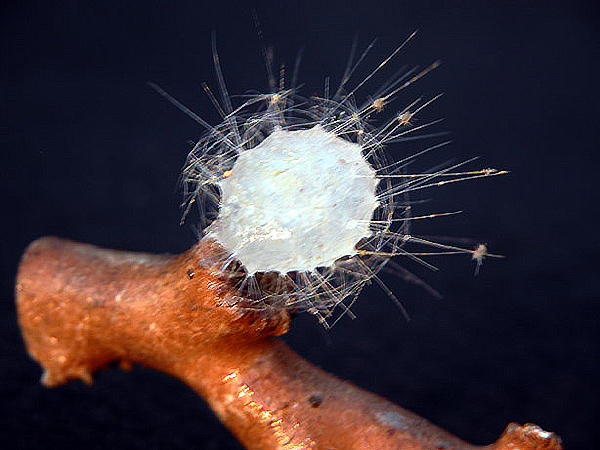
297,201
302,197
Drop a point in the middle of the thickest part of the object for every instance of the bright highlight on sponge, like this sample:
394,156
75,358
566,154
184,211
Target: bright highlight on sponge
297,201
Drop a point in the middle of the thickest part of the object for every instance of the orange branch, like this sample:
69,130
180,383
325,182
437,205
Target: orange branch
81,307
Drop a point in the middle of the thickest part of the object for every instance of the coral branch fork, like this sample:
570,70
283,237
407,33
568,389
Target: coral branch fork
81,307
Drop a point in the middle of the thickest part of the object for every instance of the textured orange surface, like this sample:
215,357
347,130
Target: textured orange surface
81,307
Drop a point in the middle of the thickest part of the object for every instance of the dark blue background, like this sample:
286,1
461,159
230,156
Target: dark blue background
91,153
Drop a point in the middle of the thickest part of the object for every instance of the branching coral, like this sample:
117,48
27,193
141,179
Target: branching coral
81,307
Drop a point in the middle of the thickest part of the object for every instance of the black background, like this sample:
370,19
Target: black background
93,154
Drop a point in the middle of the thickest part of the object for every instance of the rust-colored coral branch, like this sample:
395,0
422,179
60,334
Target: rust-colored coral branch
81,307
